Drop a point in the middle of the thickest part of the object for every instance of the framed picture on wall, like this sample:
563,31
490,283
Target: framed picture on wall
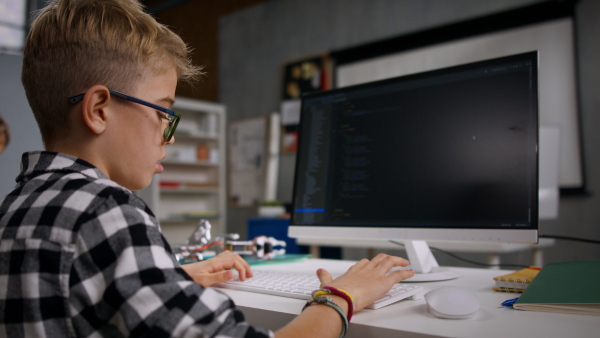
305,76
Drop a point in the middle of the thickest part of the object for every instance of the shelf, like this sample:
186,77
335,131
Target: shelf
192,216
187,189
189,163
196,136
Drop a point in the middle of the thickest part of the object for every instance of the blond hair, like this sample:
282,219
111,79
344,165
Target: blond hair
75,44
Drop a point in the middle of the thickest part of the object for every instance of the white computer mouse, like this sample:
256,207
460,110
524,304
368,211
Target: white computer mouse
450,302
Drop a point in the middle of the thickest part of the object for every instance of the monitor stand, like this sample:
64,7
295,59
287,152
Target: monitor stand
424,265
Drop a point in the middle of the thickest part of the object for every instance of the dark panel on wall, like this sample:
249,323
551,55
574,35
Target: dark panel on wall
197,22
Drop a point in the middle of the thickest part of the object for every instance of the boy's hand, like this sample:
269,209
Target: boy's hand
218,269
368,280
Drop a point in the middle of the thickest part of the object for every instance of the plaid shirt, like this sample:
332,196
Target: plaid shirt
82,256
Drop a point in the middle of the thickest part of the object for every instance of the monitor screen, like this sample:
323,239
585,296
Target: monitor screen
449,154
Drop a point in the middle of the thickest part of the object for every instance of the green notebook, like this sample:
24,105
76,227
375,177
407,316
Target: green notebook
568,287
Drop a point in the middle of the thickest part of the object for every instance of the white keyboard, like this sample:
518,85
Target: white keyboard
298,285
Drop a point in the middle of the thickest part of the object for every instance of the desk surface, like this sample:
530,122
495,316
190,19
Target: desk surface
411,316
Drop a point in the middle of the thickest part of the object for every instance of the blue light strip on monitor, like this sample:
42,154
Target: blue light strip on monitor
310,210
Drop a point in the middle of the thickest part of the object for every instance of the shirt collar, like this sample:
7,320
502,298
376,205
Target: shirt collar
41,162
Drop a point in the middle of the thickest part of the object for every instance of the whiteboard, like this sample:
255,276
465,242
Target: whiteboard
554,40
247,155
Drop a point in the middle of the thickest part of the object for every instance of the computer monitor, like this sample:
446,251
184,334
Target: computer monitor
448,154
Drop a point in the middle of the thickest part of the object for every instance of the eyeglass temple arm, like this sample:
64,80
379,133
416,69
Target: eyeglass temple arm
75,99
142,102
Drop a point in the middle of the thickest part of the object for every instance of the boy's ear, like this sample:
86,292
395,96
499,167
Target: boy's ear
93,109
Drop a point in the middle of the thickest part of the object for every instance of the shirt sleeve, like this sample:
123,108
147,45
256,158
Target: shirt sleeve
125,281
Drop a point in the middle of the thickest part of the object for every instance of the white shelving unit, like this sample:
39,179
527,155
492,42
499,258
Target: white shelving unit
193,185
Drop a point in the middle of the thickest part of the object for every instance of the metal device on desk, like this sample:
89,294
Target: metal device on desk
200,242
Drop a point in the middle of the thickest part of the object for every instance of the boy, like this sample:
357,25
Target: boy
80,255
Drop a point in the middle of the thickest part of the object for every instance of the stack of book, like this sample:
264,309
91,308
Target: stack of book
567,287
517,281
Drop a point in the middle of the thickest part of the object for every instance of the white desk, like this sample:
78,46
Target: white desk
410,317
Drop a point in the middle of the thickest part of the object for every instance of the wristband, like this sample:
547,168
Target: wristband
329,302
341,293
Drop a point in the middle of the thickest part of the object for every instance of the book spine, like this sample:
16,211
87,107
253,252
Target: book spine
509,290
512,284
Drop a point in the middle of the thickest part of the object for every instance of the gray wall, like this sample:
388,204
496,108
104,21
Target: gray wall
256,42
24,133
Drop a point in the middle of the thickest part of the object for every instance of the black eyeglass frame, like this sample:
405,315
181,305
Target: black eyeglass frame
173,117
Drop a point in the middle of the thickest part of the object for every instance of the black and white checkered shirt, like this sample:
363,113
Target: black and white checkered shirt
82,256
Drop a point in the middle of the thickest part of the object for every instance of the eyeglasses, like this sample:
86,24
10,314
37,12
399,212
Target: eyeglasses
173,117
